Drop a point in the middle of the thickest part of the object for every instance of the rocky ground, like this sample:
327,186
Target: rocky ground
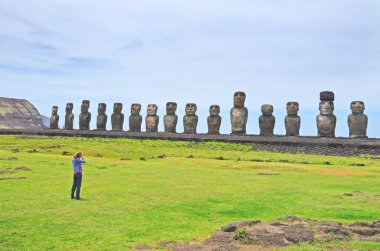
257,235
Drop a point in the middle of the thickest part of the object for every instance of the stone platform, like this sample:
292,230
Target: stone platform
289,144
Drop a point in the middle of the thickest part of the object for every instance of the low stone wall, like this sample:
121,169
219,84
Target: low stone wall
311,145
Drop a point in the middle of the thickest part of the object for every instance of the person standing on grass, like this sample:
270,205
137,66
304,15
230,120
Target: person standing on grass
77,161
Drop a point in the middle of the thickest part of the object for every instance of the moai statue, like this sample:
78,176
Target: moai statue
190,120
214,120
117,118
170,118
267,120
357,121
69,117
239,114
54,119
292,120
151,119
326,120
135,118
101,120
85,116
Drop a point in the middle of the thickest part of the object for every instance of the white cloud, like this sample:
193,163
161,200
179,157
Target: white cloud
201,51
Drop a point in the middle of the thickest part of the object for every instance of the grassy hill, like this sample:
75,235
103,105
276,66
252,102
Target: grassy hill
146,191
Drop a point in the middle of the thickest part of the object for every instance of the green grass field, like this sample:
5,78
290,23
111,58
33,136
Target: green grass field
195,190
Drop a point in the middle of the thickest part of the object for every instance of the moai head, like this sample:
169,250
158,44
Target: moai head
326,107
135,109
85,105
357,107
54,110
190,109
117,107
214,110
102,108
152,110
292,108
69,107
171,107
239,99
267,109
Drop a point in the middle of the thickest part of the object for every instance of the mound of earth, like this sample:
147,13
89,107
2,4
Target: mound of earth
19,114
257,235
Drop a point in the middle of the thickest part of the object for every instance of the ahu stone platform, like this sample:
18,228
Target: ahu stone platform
289,144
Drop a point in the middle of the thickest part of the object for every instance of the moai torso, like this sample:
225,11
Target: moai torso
239,114
69,117
190,120
151,119
214,120
135,118
292,120
101,120
117,118
357,121
85,116
326,125
170,118
326,120
54,119
267,120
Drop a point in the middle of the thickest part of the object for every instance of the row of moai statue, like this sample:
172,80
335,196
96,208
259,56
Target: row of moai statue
326,120
190,120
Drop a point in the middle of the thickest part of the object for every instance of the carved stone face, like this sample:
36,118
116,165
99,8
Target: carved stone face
54,110
292,108
102,108
239,99
135,109
117,107
171,107
214,110
267,109
190,109
326,107
357,107
85,106
69,107
151,110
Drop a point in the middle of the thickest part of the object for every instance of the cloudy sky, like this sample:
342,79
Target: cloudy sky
202,51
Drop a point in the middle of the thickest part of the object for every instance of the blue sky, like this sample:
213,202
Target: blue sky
53,52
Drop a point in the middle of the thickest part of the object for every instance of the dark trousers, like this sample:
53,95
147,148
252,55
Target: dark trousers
77,182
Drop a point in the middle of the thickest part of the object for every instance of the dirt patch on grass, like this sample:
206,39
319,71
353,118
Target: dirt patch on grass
125,159
286,231
7,171
10,170
23,168
13,178
51,147
143,247
10,158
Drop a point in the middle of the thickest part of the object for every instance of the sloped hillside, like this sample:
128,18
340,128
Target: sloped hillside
19,114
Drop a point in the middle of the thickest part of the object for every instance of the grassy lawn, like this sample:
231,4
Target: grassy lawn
195,189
